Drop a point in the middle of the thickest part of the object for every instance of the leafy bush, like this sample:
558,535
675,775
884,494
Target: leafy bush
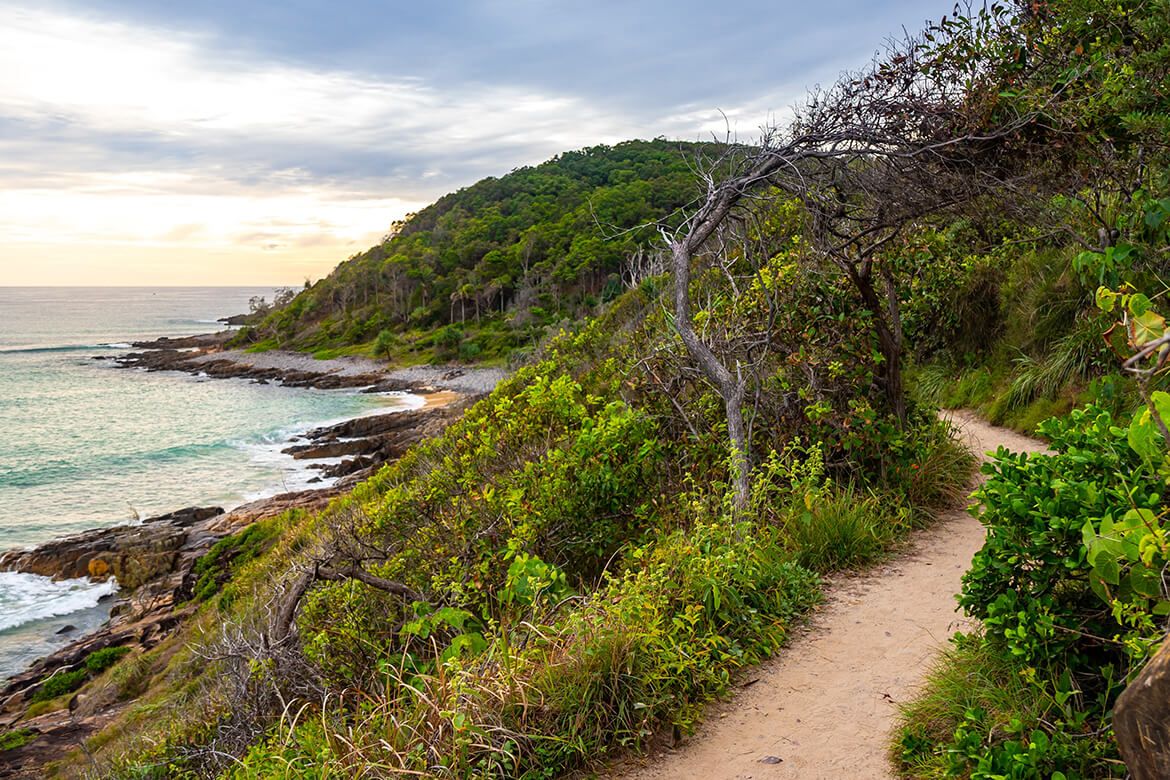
984,714
100,660
1033,583
214,567
642,652
384,343
1068,589
66,682
60,684
14,738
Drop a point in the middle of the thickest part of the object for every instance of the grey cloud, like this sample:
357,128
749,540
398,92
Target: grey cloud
635,62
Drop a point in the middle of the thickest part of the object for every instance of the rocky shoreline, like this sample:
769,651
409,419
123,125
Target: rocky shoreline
207,355
153,562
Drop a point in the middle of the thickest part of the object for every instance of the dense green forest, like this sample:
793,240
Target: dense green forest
980,219
485,270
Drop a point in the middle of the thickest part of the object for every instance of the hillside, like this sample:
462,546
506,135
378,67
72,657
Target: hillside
485,270
651,502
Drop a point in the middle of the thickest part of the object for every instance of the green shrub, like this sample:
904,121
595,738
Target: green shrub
984,714
841,529
469,350
385,343
14,738
641,653
100,660
60,684
1033,584
214,567
1069,592
132,676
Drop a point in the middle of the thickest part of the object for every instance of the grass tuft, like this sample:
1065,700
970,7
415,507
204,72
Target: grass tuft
842,530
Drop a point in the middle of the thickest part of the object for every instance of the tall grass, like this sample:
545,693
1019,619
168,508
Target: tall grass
1075,357
553,694
842,529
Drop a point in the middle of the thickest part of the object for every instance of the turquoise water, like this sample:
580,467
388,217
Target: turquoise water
84,444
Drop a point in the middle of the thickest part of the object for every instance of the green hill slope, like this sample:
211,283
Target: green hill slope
484,270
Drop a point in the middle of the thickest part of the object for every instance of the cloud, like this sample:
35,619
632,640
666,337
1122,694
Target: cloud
123,135
171,97
307,127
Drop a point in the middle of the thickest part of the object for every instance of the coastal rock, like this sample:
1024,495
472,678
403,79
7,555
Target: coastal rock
243,516
203,341
207,355
349,467
172,356
54,734
186,517
335,449
132,554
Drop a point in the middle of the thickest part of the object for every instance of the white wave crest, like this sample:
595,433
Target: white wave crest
28,597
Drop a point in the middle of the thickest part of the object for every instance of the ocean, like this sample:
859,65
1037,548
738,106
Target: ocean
84,444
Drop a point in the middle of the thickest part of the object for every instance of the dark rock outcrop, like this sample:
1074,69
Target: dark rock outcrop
154,564
371,441
132,554
178,356
1141,719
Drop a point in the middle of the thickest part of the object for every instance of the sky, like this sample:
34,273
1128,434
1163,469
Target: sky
232,142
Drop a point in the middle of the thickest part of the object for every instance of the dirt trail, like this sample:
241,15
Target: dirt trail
826,706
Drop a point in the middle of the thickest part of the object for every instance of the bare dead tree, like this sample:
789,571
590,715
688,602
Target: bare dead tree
344,558
916,135
641,265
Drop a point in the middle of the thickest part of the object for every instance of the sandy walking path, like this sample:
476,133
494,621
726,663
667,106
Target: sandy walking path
826,706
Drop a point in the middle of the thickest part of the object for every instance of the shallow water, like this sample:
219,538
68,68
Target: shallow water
84,444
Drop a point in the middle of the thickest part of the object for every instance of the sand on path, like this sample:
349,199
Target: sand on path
826,706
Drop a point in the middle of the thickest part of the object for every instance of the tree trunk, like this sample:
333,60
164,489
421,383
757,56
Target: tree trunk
730,388
887,324
281,627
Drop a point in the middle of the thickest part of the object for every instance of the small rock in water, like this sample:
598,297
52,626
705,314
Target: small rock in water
67,628
771,760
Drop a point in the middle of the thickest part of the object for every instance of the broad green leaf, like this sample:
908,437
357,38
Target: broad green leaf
1145,582
1088,534
1139,304
1106,299
1148,326
1105,566
1144,435
1158,214
1139,518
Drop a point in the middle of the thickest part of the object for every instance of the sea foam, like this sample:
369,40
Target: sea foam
28,597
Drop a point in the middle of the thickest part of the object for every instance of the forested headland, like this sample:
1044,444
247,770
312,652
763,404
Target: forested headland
729,359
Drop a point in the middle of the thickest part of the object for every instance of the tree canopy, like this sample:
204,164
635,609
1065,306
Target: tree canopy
499,260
